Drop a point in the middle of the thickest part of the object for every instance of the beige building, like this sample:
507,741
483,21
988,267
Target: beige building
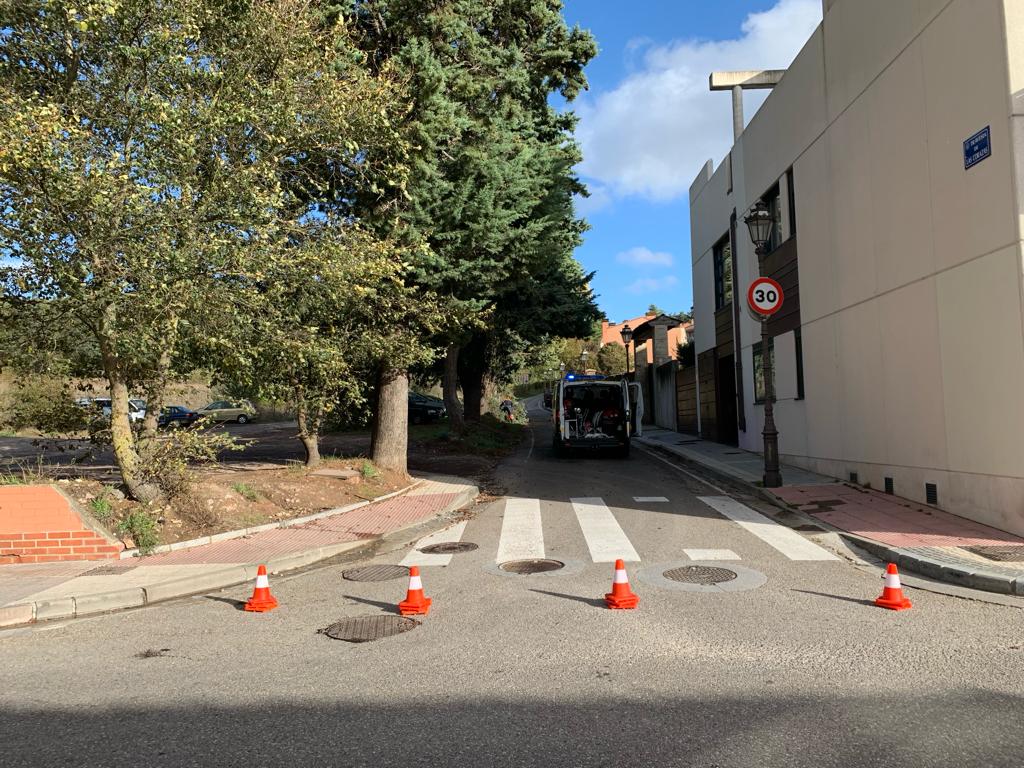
899,352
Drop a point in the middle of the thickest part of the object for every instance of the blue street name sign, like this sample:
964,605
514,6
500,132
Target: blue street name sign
978,147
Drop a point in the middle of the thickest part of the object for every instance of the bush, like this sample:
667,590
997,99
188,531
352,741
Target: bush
101,509
368,470
142,529
166,461
246,491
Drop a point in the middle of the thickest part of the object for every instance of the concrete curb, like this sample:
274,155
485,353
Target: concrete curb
973,578
137,597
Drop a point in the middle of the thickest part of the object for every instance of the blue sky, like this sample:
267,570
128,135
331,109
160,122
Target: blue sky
648,124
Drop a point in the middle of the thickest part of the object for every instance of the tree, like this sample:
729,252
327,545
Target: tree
491,151
611,359
654,309
150,159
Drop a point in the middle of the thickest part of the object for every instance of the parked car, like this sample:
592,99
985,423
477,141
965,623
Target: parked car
240,411
136,407
424,409
547,398
177,416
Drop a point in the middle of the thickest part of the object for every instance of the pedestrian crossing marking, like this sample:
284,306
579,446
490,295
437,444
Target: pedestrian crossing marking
785,540
448,535
650,499
522,535
605,538
711,554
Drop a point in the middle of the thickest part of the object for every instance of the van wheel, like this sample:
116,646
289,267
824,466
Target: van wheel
557,449
624,451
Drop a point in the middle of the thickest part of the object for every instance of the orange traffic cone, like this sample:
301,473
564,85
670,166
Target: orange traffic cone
621,595
892,594
261,599
415,602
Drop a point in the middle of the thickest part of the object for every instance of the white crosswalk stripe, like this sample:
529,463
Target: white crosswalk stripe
451,534
711,554
522,535
650,499
787,541
605,538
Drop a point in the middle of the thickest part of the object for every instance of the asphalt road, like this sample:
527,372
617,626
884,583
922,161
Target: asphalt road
534,671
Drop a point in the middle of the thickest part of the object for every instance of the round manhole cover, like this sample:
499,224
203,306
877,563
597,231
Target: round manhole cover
448,548
700,574
376,573
526,567
363,629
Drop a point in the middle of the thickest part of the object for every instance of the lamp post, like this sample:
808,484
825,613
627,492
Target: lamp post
759,223
627,339
583,360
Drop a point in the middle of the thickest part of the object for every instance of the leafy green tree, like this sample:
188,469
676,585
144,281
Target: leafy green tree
611,359
152,153
654,309
490,152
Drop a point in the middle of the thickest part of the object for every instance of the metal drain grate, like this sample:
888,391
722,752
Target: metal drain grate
364,629
700,574
526,567
376,573
1006,553
449,548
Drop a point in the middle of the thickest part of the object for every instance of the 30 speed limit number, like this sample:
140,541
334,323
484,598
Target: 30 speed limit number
765,296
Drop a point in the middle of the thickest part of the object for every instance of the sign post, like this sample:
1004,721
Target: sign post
764,298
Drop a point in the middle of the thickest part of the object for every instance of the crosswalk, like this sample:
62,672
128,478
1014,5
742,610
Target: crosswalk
522,533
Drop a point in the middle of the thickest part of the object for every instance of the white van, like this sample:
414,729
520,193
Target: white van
594,412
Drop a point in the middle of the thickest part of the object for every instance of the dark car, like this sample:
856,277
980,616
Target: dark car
424,409
547,398
177,416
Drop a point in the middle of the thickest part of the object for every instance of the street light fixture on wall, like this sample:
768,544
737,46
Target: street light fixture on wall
759,222
627,338
583,359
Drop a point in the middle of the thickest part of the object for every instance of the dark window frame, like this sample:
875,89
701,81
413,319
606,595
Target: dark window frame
723,286
758,370
773,201
799,340
791,199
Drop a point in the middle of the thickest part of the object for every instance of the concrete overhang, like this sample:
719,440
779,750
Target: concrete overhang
747,80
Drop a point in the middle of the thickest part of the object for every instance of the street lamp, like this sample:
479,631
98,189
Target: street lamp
583,360
627,338
760,223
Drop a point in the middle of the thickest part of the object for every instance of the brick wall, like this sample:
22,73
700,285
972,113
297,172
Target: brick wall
39,525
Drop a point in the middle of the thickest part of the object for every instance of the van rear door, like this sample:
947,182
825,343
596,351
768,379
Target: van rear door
636,408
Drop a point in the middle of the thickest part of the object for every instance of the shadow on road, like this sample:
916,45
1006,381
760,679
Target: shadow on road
594,601
835,597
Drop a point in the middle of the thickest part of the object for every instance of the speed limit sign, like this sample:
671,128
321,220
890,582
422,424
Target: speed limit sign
765,296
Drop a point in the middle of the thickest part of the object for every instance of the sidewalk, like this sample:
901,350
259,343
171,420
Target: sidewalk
916,537
38,591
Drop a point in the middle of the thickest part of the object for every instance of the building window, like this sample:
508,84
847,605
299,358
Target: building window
799,364
774,204
791,195
759,388
723,273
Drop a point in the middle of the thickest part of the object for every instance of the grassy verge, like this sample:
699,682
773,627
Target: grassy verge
489,437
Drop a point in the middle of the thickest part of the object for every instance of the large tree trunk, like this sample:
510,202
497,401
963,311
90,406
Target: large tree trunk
472,367
155,392
449,385
391,426
473,394
125,451
309,430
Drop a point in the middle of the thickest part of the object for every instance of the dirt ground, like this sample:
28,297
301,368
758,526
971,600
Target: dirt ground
262,483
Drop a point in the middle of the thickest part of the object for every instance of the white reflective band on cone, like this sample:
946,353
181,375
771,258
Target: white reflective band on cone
415,583
262,582
892,580
620,578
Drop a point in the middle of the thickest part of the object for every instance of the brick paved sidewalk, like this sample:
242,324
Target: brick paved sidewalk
65,587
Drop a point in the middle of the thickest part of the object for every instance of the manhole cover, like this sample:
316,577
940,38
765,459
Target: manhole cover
363,629
449,548
376,573
1007,553
700,574
526,567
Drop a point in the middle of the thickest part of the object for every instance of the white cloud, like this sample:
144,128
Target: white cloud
600,198
640,256
652,284
651,135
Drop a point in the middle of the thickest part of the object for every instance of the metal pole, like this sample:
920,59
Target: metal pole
772,477
737,111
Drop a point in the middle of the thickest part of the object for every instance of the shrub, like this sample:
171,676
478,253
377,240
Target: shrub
101,509
369,471
166,461
142,528
246,491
